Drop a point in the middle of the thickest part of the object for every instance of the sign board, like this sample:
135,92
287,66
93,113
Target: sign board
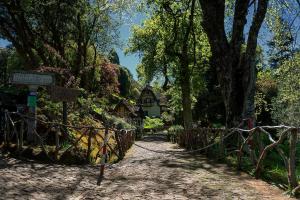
63,94
32,78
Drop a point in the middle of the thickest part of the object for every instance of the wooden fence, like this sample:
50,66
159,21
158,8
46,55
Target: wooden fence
94,139
246,143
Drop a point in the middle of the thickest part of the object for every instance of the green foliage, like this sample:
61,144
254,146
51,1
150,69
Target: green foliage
167,117
286,106
111,119
266,90
174,132
153,123
160,41
125,78
113,57
9,61
175,128
281,44
62,34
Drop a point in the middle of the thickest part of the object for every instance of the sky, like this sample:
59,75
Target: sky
129,61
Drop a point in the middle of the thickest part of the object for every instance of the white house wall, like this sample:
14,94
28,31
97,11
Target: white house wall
153,111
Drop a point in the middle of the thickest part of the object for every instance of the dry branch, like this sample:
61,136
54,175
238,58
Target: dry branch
268,148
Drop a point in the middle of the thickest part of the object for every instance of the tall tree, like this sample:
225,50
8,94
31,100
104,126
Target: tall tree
60,33
281,44
169,41
286,105
235,68
114,57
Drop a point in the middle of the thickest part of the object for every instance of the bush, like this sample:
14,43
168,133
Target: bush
173,132
111,119
153,123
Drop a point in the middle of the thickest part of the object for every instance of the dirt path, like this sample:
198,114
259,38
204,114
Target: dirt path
141,175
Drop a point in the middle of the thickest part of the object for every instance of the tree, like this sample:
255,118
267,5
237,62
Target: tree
125,78
114,57
61,33
235,69
9,61
169,42
4,54
281,44
109,79
286,105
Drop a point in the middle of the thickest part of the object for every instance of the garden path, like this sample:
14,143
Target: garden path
141,175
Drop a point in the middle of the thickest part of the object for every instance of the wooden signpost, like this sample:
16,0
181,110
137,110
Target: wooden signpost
33,80
65,95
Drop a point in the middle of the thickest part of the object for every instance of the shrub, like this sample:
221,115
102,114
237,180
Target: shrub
111,119
173,132
153,123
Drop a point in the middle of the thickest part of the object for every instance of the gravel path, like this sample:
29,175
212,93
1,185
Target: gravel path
141,175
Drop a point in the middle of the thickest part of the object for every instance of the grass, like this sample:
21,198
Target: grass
96,151
274,172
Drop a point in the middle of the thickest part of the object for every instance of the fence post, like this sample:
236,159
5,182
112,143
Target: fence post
21,134
89,145
292,177
17,137
103,158
118,144
6,130
221,153
56,144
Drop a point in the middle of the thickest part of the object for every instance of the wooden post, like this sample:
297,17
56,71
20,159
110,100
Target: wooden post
57,144
221,149
103,159
5,129
31,103
121,155
292,177
65,118
21,134
17,137
240,152
89,145
8,130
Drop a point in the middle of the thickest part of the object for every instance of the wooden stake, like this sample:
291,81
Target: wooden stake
57,146
104,154
292,177
89,145
21,134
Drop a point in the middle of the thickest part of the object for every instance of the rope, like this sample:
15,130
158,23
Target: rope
185,152
59,124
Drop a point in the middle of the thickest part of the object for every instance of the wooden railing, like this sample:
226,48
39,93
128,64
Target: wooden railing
246,143
94,139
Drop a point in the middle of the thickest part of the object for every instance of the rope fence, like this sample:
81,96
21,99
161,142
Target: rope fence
245,142
57,140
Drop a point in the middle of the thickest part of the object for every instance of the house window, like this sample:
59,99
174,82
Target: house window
148,100
146,113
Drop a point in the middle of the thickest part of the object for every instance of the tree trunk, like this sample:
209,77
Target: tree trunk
235,70
185,74
186,92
